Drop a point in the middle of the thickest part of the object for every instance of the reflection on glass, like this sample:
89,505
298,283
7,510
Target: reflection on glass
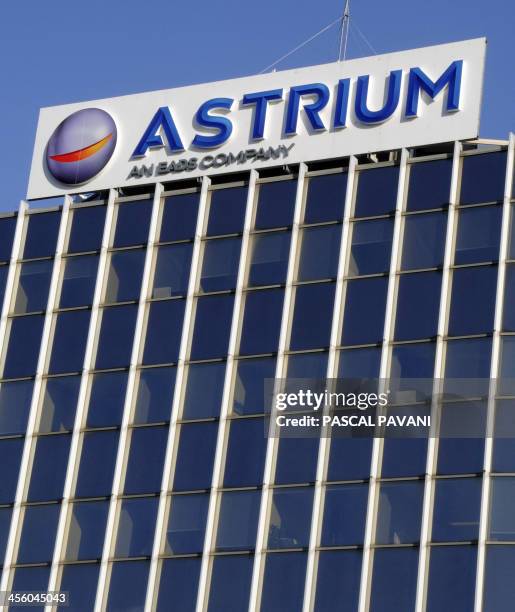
32,287
172,270
204,388
124,276
290,517
186,524
220,264
371,247
269,258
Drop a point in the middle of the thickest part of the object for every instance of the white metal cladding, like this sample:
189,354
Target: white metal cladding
133,114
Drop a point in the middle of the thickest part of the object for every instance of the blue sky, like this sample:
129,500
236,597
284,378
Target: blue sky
58,51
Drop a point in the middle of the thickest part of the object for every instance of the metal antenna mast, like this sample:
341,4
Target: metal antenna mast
344,32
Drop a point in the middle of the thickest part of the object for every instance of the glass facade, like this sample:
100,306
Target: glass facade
137,332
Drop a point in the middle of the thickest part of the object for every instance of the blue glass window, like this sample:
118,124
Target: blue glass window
464,453
136,527
504,444
106,399
276,202
132,223
172,270
87,229
479,233
116,336
456,509
155,395
7,228
345,511
164,330
124,276
238,520
128,586
312,316
145,462
49,468
179,583
400,512
33,283
4,271
213,318
204,390
482,178
424,241
290,517
261,321
365,304
338,581
371,247
80,581
249,385
452,579
413,361
10,457
245,456
227,211
30,579
325,200
78,281
98,448
308,365
469,358
38,533
86,530
284,573
359,363
320,249
195,456
349,458
179,217
429,184
24,335
15,400
269,258
220,264
499,583
230,583
186,524
502,521
404,456
418,305
5,522
41,237
376,193
394,580
296,460
509,298
69,342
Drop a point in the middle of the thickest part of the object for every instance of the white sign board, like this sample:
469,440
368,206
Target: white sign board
405,99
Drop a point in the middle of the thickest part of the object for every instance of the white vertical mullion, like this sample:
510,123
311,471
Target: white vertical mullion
325,442
439,373
8,296
377,448
272,443
73,461
119,472
494,373
218,465
153,583
25,471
